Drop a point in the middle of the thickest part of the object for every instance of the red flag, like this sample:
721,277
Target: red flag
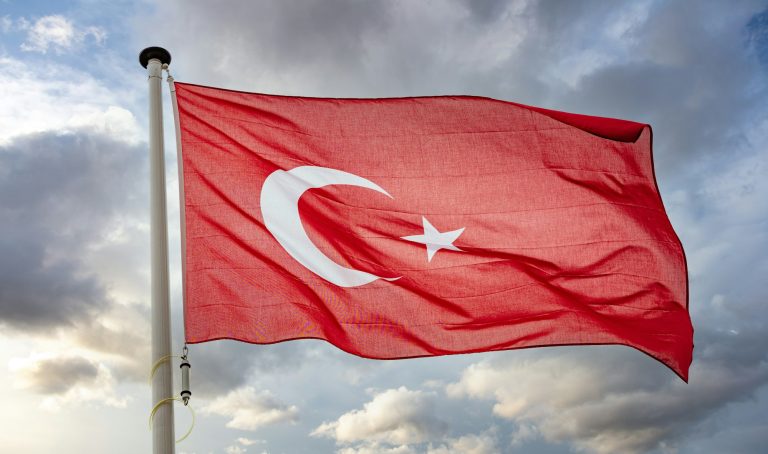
408,227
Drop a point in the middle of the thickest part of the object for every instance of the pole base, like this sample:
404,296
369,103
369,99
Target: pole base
154,52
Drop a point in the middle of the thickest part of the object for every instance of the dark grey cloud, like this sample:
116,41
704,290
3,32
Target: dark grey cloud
744,436
58,195
33,294
690,74
246,40
486,10
758,36
59,375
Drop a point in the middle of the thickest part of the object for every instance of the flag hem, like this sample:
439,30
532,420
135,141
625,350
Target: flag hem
615,129
683,375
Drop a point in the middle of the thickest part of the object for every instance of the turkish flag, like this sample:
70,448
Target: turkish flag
408,227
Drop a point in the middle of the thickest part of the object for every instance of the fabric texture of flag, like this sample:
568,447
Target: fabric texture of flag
408,227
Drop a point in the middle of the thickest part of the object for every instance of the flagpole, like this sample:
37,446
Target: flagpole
163,442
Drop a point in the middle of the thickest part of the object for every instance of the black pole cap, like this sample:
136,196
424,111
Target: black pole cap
154,52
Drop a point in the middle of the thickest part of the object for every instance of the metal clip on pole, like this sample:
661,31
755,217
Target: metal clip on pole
185,366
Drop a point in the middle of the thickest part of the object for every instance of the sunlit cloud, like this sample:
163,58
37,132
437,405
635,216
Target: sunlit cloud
248,409
57,33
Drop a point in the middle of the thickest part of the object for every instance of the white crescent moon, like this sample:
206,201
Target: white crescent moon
280,196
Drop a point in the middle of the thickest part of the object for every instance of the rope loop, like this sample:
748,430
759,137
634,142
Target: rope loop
158,363
170,400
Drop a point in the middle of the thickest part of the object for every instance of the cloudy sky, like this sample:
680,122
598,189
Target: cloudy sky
74,249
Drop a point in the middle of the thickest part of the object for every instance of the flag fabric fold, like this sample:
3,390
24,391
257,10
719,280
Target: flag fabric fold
408,227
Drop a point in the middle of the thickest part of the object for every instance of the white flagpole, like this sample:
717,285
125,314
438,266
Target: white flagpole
163,439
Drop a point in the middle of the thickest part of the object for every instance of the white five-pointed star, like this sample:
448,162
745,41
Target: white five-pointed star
434,240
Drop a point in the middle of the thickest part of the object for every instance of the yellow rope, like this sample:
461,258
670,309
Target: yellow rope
165,401
158,363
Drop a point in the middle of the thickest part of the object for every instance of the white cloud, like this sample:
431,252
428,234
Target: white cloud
248,442
249,409
237,449
484,443
51,97
49,31
603,405
57,33
401,421
376,448
468,444
395,416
